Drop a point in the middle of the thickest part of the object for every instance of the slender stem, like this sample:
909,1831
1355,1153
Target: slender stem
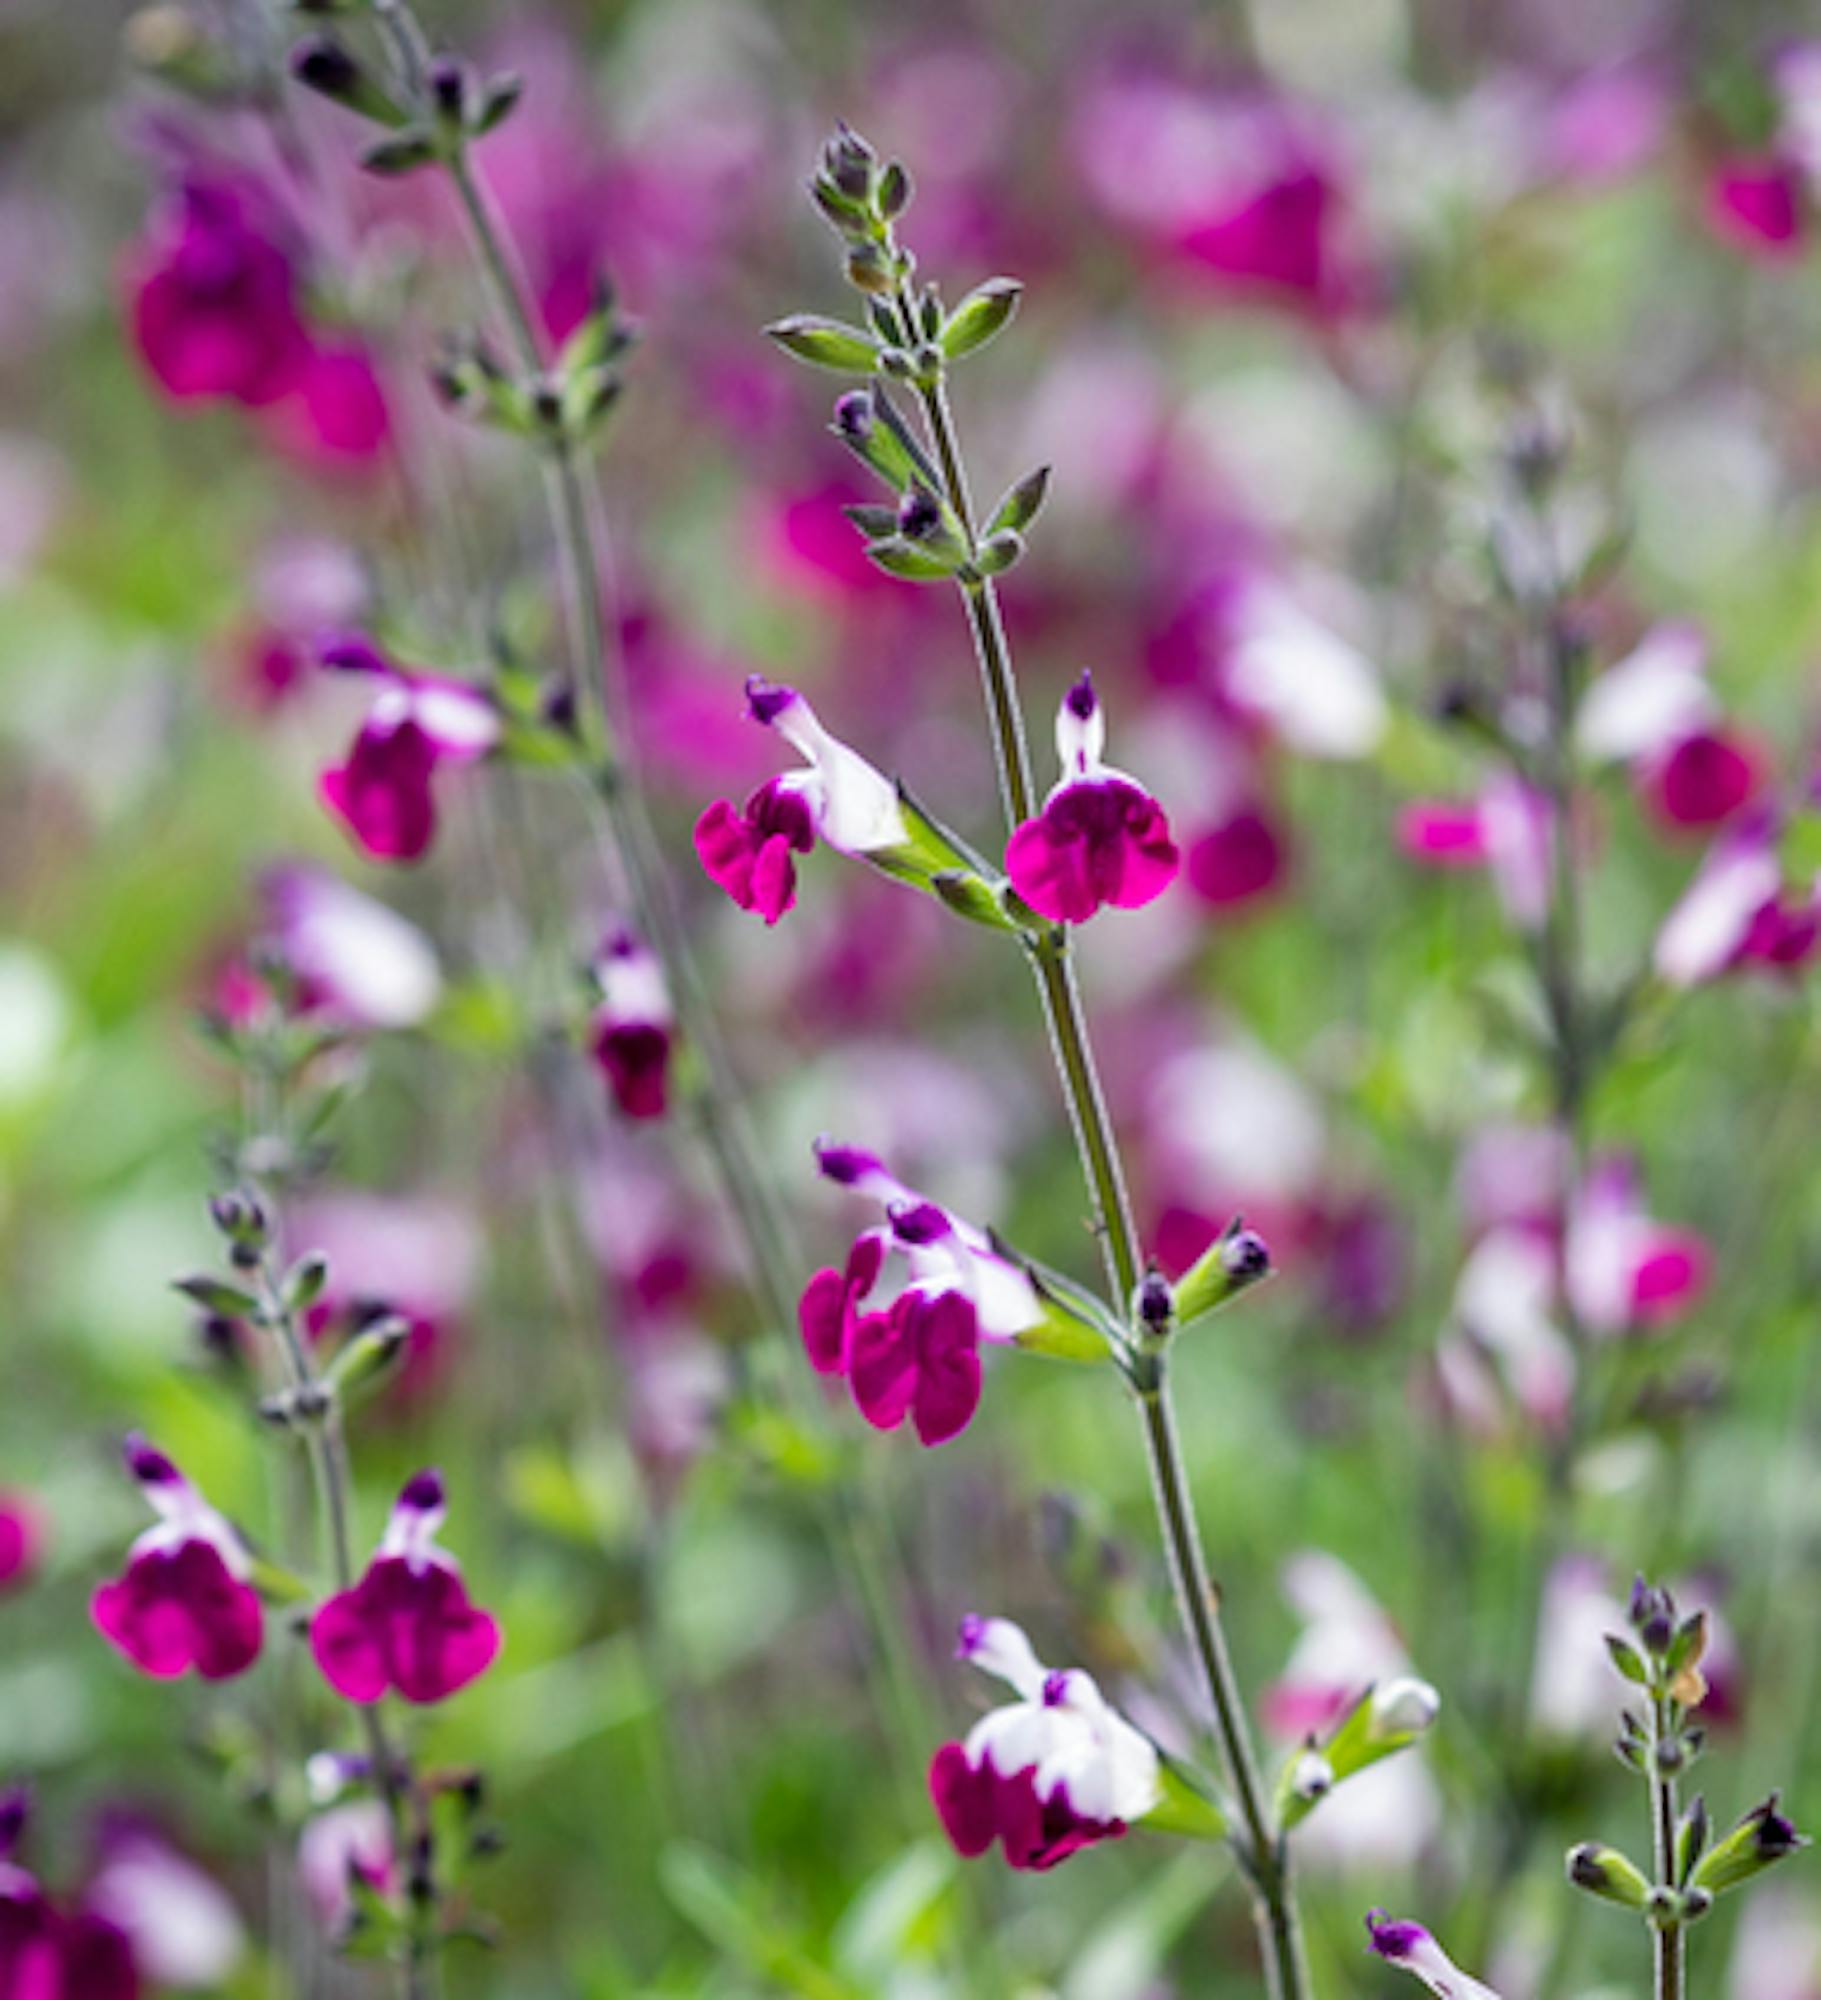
1262,1850
1667,1936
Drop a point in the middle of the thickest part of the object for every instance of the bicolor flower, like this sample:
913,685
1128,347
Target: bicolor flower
1654,711
46,1954
1101,838
182,1925
408,1624
1410,1947
840,798
1505,830
1047,1775
913,1350
418,723
633,1030
346,1845
1739,911
352,956
185,1600
214,302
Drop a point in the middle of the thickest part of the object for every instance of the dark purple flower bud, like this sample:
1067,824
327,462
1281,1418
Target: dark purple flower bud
922,1223
767,700
423,1492
849,161
323,64
149,1467
919,515
15,1808
1245,1255
449,86
1156,1301
854,415
1081,699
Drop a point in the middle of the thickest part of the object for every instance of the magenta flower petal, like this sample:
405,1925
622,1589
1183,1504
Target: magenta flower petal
1703,781
883,1366
382,793
1237,861
964,1802
1097,842
824,1318
947,1333
412,1629
634,1056
749,853
180,1608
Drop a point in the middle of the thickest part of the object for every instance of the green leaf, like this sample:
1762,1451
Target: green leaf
900,558
404,153
985,311
826,343
216,1295
1021,503
1629,1661
497,105
1190,1806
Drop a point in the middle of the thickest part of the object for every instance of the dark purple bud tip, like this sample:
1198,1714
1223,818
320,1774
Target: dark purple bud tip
1081,698
1245,1255
843,1165
854,415
1774,1835
321,63
448,83
1390,1939
767,700
1156,1301
149,1467
922,1223
1055,1689
919,514
619,943
971,1636
15,1809
351,653
423,1492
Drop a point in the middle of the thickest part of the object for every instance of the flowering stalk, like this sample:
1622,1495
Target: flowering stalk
937,533
559,406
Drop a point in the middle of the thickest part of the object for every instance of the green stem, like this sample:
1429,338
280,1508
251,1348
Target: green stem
1667,1937
1262,1851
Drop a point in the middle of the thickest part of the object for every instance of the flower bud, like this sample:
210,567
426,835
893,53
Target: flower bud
1653,1617
986,311
1403,1707
1311,1776
1156,1302
848,162
1762,1837
324,63
1608,1874
894,194
1236,1261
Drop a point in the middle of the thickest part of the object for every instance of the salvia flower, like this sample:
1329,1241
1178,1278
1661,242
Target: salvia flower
418,723
1101,838
1412,1948
913,1352
1739,911
1051,1773
840,797
633,1029
46,1953
408,1623
185,1600
346,1845
214,302
353,957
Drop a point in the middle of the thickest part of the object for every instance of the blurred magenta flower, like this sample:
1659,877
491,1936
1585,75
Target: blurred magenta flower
1046,1775
1411,1948
408,1624
348,1843
21,1537
358,961
919,1354
185,1600
1506,830
1626,1270
1754,201
1237,185
633,1028
180,1922
1655,711
1739,910
1101,840
46,1954
214,299
853,807
417,724
337,417
1241,859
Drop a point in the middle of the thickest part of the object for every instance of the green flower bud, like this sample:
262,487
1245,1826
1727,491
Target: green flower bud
1763,1837
983,313
1608,1874
826,343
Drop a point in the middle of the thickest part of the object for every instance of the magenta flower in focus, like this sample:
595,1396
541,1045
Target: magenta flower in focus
853,807
185,1600
408,1623
21,1538
1410,1947
1047,1775
213,302
918,1353
418,723
1100,839
633,1029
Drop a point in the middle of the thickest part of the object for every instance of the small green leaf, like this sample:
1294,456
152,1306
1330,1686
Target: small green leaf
1190,1806
404,153
1629,1661
984,312
826,343
900,558
1021,503
216,1295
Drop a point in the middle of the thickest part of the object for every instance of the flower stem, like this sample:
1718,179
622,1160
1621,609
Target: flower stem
1666,1936
1262,1850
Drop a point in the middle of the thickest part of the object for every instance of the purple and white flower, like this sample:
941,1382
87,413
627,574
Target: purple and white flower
1101,839
1048,1774
361,960
633,1030
903,1320
1410,1947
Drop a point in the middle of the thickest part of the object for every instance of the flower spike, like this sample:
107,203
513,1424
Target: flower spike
1101,839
